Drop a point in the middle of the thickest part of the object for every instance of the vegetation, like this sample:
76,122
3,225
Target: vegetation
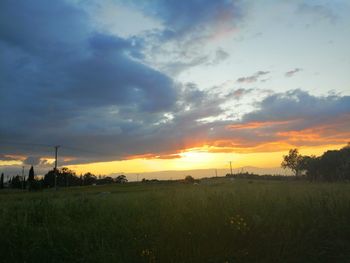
293,161
17,182
2,181
217,220
331,166
189,179
249,219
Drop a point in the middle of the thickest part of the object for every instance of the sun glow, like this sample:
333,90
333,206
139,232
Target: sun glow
196,158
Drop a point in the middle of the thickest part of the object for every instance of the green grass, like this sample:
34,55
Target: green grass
215,221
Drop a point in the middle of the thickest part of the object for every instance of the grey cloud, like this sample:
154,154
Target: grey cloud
318,11
280,116
4,157
239,93
292,72
32,160
299,105
186,29
220,55
176,67
253,78
192,17
63,83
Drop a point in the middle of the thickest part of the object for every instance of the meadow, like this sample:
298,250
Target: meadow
219,220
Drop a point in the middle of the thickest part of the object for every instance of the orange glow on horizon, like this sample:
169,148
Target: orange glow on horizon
258,124
197,158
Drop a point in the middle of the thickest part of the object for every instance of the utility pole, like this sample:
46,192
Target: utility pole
23,177
55,169
216,172
231,167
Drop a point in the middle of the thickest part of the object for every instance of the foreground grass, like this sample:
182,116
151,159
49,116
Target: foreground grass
215,221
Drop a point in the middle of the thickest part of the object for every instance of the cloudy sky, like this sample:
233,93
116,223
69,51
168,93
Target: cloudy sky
139,86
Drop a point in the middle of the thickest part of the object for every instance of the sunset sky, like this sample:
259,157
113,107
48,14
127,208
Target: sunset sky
143,86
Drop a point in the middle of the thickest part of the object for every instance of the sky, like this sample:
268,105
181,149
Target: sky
145,86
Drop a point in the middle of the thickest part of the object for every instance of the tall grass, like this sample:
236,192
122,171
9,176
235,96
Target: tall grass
215,221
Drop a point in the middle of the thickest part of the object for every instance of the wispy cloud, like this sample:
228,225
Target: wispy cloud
292,72
253,78
319,11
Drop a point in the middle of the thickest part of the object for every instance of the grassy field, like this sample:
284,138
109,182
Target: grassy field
214,221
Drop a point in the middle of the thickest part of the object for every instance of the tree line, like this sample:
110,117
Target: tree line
62,177
333,165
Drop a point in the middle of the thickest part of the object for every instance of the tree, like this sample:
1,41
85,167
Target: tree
189,179
89,179
24,182
121,179
2,181
49,178
31,175
333,165
311,164
16,182
64,177
31,178
105,180
67,177
293,161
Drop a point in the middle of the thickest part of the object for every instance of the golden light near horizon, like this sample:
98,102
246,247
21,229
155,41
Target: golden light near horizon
196,159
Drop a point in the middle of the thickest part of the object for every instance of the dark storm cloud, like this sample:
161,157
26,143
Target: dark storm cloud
63,83
109,77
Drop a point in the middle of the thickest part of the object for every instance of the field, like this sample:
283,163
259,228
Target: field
213,221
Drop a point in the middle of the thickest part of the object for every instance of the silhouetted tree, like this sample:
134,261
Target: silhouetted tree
105,180
65,177
121,179
189,179
49,178
31,175
89,179
31,178
24,182
2,181
16,182
331,166
311,165
293,161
